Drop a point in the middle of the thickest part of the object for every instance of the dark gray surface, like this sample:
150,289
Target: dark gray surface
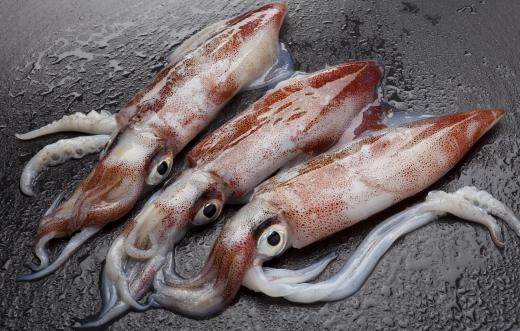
441,57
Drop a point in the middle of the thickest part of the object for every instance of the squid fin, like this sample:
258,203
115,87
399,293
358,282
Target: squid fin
282,69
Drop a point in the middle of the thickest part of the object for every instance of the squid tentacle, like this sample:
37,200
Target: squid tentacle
169,275
310,272
58,153
40,248
115,288
94,122
111,307
126,297
493,206
467,203
138,253
41,252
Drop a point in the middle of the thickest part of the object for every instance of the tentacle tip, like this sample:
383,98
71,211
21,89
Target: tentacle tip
102,319
87,325
500,243
21,136
34,275
499,240
28,277
28,191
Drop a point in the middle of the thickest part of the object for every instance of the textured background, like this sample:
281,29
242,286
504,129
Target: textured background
61,56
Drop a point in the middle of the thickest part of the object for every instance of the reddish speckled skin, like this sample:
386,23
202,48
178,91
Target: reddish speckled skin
168,113
303,117
388,168
307,116
328,194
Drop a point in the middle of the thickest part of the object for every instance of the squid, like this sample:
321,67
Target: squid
298,119
204,73
329,193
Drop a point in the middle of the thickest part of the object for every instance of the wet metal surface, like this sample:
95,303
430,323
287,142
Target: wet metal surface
61,56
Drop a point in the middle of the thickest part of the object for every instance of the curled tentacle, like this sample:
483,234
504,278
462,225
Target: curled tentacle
466,203
40,249
141,254
58,153
41,252
486,201
125,280
457,204
93,123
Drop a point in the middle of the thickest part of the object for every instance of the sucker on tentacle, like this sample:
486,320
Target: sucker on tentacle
293,122
162,119
58,153
94,122
331,192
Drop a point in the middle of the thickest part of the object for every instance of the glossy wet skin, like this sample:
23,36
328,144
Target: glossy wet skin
411,42
301,117
160,120
324,195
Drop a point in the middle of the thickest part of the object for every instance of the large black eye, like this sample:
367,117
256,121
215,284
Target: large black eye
162,168
274,238
210,210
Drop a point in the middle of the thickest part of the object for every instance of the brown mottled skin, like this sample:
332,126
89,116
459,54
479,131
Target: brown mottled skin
311,114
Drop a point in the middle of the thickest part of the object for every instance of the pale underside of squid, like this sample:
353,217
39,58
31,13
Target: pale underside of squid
297,119
327,194
204,74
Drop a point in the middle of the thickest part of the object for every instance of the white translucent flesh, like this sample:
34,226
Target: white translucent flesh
58,153
282,69
301,275
467,203
93,123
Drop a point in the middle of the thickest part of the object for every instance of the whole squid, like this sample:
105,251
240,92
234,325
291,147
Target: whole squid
204,73
300,118
327,194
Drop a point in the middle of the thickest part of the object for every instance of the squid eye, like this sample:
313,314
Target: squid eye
210,212
160,169
273,240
